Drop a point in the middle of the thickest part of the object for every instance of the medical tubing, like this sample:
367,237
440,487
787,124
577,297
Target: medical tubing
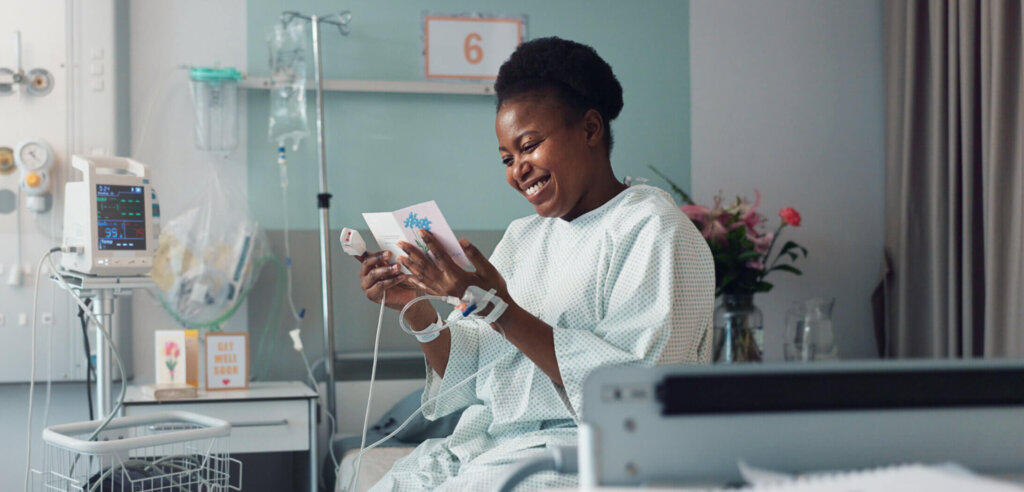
49,373
275,307
222,318
436,327
287,235
144,129
107,338
420,409
373,377
331,422
32,369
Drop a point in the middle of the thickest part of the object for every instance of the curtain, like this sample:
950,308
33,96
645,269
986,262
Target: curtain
953,283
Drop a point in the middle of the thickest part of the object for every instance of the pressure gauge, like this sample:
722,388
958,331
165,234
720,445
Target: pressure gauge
34,155
6,160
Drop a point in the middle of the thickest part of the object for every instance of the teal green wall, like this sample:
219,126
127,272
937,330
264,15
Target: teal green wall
387,151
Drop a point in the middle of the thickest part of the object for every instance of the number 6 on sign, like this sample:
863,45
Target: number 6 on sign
469,47
473,51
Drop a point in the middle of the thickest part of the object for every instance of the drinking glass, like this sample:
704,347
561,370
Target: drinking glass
809,334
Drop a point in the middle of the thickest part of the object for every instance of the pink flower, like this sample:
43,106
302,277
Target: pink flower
170,347
723,216
762,242
715,231
177,352
755,265
697,213
792,217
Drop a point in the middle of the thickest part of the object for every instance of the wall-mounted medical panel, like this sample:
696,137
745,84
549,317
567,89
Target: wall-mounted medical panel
59,95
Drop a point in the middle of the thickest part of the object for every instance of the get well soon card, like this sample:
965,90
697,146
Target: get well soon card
388,228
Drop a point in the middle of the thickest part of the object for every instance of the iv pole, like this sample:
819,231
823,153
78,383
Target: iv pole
324,198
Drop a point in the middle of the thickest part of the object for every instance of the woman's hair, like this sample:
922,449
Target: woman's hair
574,72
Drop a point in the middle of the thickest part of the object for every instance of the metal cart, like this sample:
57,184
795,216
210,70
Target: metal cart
161,452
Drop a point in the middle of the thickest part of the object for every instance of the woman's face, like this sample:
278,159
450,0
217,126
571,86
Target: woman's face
546,159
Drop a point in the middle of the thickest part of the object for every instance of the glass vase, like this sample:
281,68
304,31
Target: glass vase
739,329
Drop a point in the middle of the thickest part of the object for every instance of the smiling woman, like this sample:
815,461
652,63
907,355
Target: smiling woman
603,274
554,126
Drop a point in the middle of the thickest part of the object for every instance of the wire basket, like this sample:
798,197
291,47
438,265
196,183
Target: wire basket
160,452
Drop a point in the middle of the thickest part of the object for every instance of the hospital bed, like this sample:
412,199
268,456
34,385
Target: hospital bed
693,424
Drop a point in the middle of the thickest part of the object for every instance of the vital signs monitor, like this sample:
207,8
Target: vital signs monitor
109,218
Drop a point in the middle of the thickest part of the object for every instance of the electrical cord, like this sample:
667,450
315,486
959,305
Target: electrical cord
89,369
473,296
332,424
369,397
417,411
32,370
47,258
49,372
106,337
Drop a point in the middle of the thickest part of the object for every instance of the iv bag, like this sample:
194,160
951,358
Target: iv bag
288,84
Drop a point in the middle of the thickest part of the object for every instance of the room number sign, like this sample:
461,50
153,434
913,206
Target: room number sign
469,47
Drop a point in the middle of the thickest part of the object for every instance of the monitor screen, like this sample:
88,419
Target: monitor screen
121,217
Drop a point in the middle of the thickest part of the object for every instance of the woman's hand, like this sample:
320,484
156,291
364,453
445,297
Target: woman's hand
377,276
445,277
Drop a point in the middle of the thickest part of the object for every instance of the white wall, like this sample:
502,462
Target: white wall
165,35
787,97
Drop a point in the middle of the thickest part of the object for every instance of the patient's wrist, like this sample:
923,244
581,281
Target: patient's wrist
513,315
420,316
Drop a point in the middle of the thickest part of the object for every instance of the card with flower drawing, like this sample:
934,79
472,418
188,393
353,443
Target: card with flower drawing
388,228
170,356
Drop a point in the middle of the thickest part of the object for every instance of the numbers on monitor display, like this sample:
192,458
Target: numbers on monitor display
121,217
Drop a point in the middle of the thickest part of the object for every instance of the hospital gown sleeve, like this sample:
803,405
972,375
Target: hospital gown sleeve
657,300
463,359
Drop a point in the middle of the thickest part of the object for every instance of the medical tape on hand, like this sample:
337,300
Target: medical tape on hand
434,333
488,296
499,307
495,313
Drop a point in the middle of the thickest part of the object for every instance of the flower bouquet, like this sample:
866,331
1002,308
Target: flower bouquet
743,256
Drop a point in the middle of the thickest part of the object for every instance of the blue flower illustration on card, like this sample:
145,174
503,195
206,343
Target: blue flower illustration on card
413,222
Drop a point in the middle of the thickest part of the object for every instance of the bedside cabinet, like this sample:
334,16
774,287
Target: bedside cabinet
268,417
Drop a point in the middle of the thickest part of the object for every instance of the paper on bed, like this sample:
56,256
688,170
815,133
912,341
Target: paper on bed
388,228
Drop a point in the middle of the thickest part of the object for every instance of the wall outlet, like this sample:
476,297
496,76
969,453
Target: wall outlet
46,318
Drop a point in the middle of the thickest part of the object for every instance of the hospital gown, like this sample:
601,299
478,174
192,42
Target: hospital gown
629,282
